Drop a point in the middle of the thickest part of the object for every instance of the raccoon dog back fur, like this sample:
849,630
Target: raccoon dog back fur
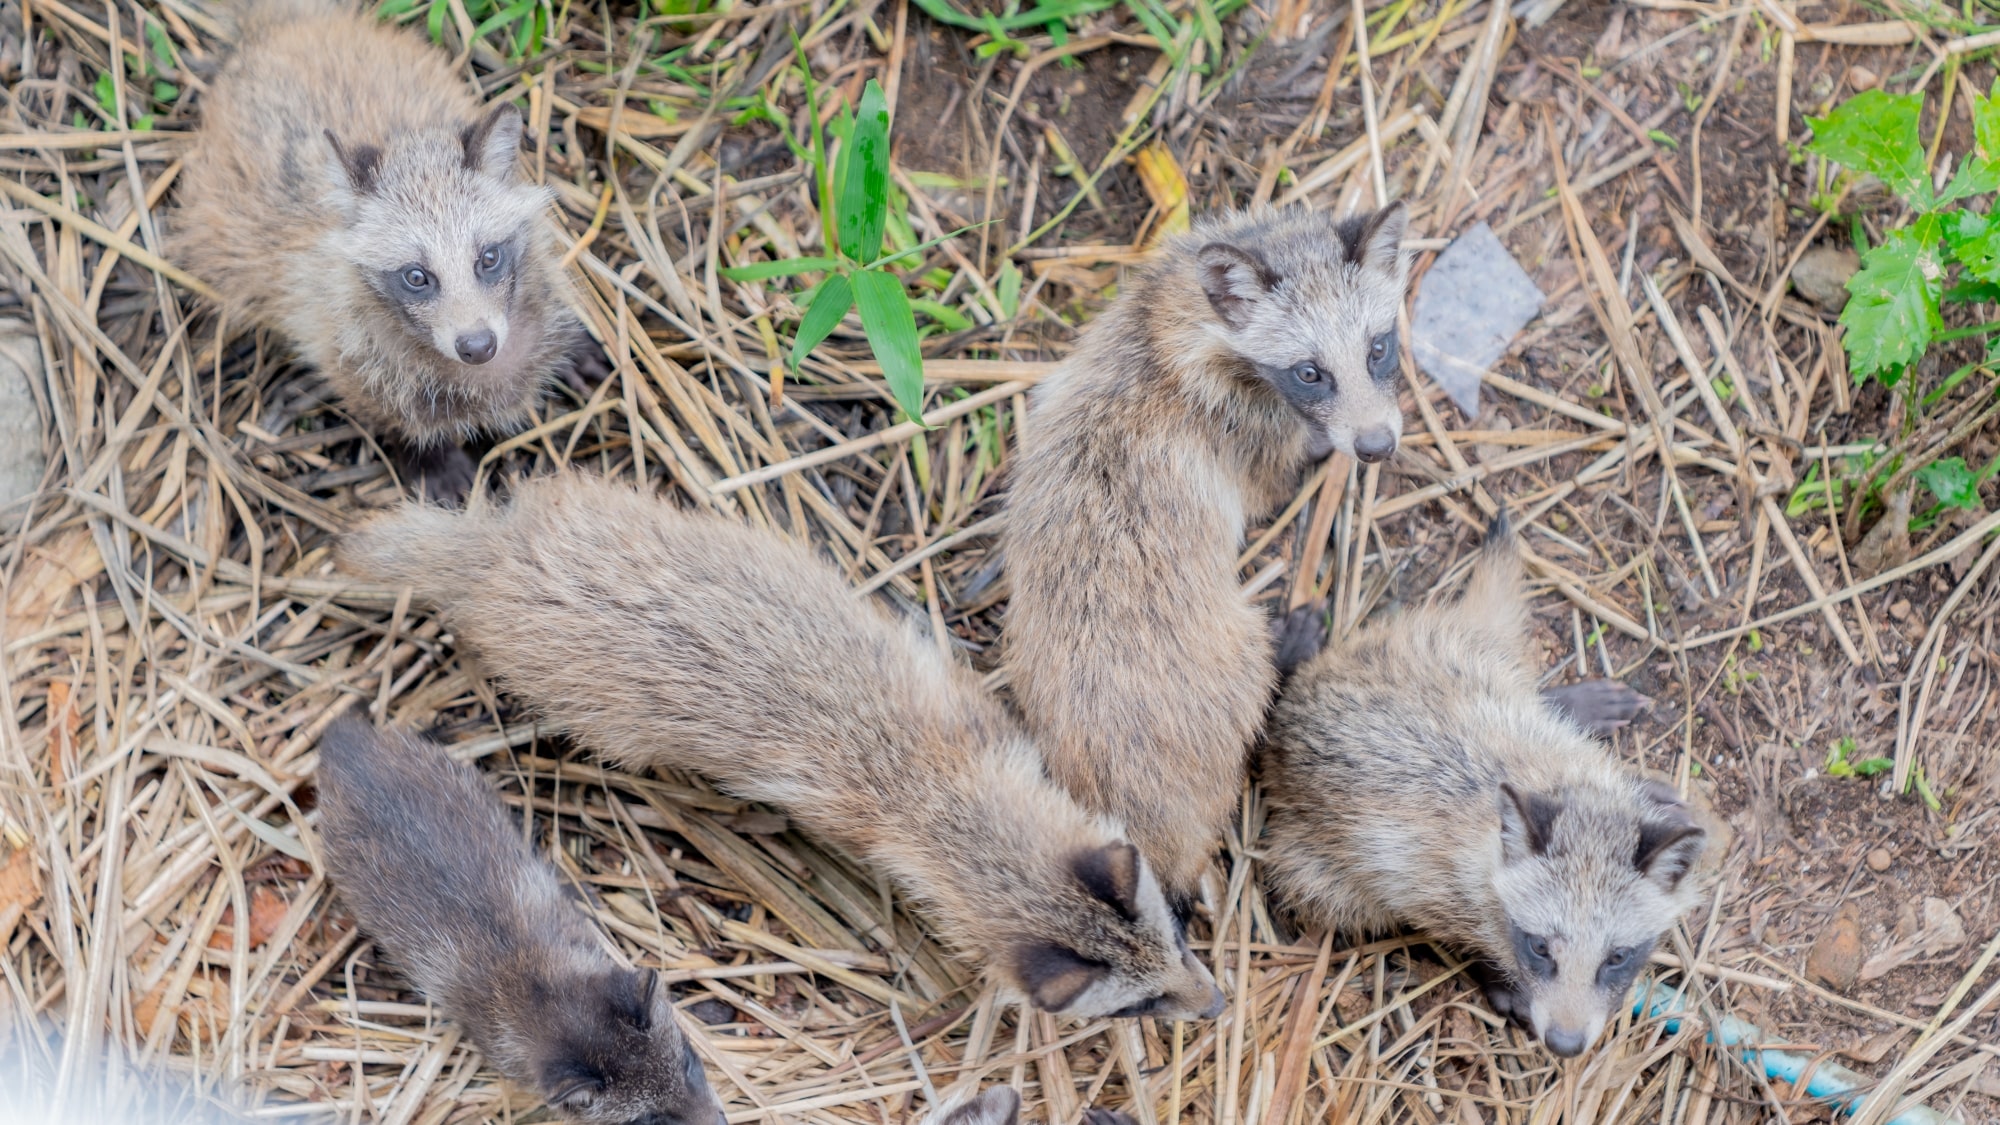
435,869
1248,349
347,190
666,639
1416,778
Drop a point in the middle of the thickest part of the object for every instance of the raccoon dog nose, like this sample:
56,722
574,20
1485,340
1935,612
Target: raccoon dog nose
477,347
1375,445
1567,1044
1216,1001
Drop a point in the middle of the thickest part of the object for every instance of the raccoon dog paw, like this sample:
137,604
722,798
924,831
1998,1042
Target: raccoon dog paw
1300,635
440,474
1598,706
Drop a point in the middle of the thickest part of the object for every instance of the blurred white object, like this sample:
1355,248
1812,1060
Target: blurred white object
21,459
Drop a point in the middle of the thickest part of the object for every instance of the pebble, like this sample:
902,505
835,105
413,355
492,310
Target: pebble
1822,273
1835,959
1879,860
1861,78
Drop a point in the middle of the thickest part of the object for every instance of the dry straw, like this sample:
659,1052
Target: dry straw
175,637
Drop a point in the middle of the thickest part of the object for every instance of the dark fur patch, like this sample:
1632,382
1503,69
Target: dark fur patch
1366,238
1232,276
1111,875
999,1105
1054,976
1529,815
360,163
487,141
1667,849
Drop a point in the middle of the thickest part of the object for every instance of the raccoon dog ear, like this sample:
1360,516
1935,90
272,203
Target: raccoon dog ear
999,1105
1526,822
571,1085
1111,875
1054,976
1668,848
492,143
1378,244
358,164
1234,279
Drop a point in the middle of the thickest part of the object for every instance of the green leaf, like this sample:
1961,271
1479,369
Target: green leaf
1986,122
1893,311
143,123
163,47
950,318
760,271
1952,482
1975,242
1877,133
892,334
1869,767
864,178
829,304
435,20
165,91
1009,291
107,94
1664,139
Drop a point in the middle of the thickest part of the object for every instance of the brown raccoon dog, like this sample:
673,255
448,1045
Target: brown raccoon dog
1244,352
1416,778
346,189
435,869
665,639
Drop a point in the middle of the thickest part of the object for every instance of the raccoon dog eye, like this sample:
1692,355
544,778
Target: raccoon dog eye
1382,355
1617,958
416,279
490,260
1307,373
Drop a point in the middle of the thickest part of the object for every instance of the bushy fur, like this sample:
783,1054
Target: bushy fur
335,154
1416,778
664,639
1137,663
432,866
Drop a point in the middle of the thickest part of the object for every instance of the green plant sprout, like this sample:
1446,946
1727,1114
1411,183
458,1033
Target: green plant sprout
1894,311
1840,763
858,209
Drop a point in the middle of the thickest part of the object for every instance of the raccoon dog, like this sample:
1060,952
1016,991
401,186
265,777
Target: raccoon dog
346,190
664,639
1247,350
1416,778
435,869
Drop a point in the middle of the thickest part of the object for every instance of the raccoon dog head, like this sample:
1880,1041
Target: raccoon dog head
1589,880
439,225
1310,304
1107,945
615,1055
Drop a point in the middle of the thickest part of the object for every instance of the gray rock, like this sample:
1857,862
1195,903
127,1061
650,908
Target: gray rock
1822,273
1474,300
21,458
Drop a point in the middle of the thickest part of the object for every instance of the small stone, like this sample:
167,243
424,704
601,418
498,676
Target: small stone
1879,860
1861,78
1901,609
1822,273
1887,544
1835,959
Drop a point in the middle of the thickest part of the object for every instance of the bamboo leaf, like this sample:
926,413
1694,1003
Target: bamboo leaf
892,334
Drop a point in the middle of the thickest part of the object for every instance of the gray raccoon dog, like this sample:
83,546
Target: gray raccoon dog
434,868
1244,352
665,639
1416,778
347,190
